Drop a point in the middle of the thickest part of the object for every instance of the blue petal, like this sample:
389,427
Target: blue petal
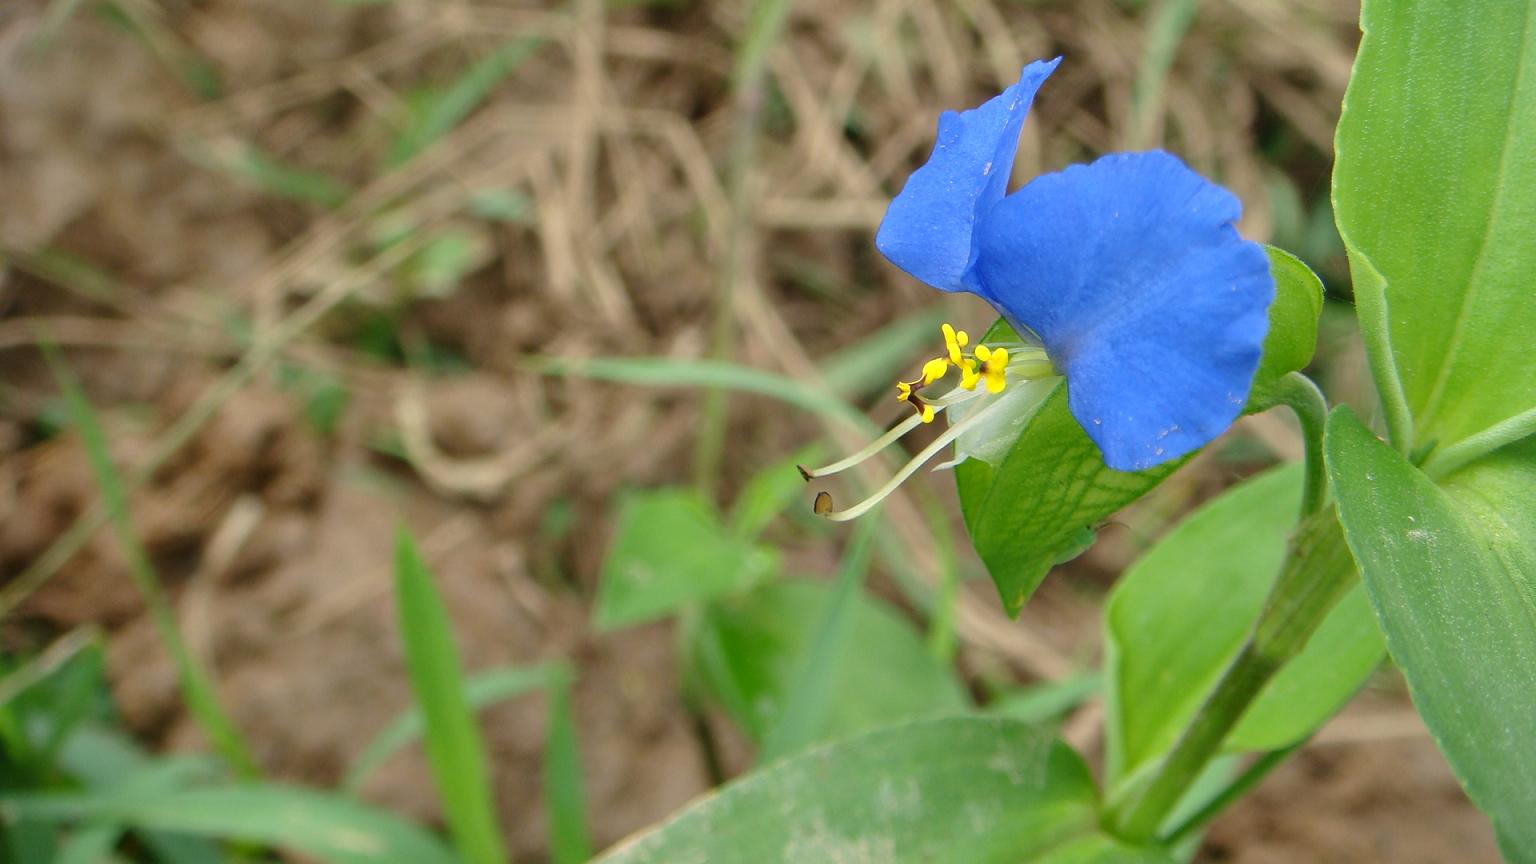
927,229
1144,295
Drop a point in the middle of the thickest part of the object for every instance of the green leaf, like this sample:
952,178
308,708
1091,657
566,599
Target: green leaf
250,164
1451,573
1292,337
565,800
770,492
972,789
669,550
747,653
1031,510
436,112
813,685
443,261
453,744
1434,188
1181,613
481,690
1040,504
328,828
1048,701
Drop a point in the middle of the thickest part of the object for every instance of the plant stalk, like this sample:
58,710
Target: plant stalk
1301,395
1317,572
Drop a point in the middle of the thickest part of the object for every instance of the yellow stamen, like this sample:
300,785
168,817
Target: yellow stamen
954,340
968,375
994,369
934,369
823,506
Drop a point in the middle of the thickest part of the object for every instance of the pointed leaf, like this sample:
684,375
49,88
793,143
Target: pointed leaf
1451,573
1434,189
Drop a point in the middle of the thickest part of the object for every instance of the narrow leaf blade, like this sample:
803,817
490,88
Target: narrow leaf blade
453,743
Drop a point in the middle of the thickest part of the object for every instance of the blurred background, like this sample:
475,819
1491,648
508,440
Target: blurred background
567,289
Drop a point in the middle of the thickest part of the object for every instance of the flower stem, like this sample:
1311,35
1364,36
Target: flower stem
1317,573
1302,396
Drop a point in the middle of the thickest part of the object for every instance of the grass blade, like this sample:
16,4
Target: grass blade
91,845
480,691
253,166
196,687
453,743
1169,21
326,827
446,109
564,795
666,372
812,695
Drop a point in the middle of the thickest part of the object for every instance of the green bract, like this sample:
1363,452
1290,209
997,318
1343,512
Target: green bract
1037,503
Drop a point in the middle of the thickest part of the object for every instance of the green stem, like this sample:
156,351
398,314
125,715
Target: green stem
1444,461
1301,395
1371,308
1233,791
1317,572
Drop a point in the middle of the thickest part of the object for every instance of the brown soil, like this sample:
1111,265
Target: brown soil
272,532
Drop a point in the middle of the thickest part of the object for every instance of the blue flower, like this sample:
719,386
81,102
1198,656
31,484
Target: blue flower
1128,271
1125,276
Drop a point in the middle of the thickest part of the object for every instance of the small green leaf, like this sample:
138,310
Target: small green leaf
748,650
1181,613
253,166
436,112
1451,573
502,205
1434,188
982,790
454,748
669,550
436,269
325,827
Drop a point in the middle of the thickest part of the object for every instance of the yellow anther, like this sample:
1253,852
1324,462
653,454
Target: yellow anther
994,367
954,340
968,375
907,392
934,369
